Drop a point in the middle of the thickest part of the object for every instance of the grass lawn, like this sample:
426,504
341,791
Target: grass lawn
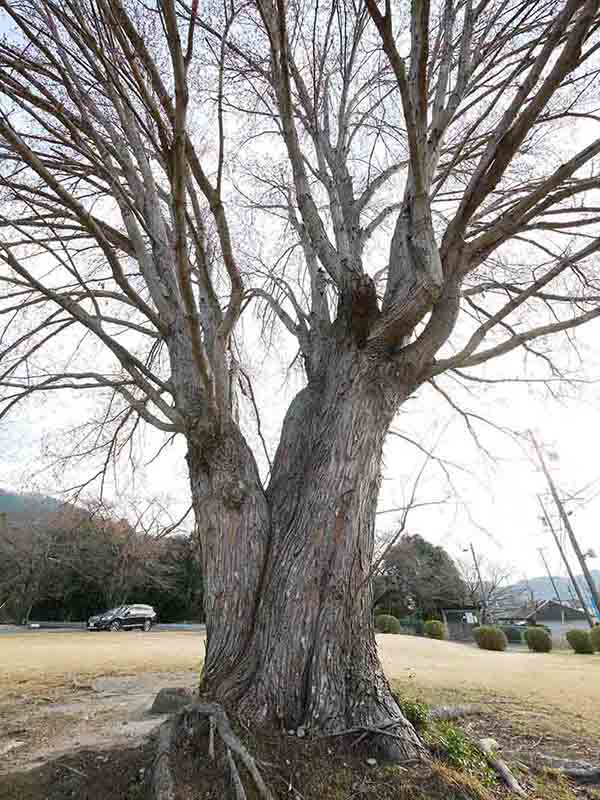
559,688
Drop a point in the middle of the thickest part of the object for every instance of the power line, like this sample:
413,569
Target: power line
574,543
567,565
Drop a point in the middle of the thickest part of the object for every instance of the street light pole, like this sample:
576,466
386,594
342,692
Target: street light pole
483,597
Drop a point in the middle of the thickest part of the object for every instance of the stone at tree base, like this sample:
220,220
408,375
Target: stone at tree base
171,699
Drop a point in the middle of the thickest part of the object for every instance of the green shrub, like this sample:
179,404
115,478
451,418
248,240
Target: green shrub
514,633
415,711
490,638
538,640
580,641
386,623
435,629
455,746
595,637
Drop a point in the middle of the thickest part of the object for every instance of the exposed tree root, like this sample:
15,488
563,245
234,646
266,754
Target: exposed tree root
580,771
488,748
384,741
454,712
182,727
582,774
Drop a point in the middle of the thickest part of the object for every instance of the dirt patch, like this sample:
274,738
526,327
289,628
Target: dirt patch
110,712
84,775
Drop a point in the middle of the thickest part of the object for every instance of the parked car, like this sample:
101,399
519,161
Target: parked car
123,617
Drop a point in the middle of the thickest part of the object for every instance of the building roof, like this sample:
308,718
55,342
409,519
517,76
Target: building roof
529,610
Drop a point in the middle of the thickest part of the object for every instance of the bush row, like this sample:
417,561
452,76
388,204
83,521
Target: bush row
388,623
538,638
488,637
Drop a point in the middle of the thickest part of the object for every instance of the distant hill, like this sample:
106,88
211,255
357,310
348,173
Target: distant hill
26,504
543,590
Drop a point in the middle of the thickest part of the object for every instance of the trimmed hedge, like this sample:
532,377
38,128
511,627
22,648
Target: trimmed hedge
514,633
538,640
490,638
435,629
386,623
580,641
595,637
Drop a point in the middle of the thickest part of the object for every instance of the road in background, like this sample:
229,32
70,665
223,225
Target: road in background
77,627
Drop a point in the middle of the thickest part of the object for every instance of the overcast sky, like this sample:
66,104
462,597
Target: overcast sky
492,501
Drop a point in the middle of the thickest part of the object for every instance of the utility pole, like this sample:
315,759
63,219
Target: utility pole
483,598
567,565
567,523
541,552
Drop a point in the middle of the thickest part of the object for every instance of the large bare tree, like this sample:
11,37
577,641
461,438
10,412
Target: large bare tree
430,167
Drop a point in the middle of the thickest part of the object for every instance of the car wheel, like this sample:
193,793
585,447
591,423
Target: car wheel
147,625
115,626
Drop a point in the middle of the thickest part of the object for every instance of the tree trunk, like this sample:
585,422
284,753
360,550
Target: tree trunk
292,643
233,522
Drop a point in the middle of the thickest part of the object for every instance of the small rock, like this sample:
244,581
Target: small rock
491,743
292,733
301,733
372,762
171,699
11,744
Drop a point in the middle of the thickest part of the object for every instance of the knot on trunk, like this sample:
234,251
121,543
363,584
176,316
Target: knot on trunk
234,493
359,308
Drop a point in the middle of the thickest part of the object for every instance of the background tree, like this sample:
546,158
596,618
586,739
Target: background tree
68,563
495,587
416,576
118,248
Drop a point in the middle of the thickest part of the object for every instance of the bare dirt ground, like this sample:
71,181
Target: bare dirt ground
91,693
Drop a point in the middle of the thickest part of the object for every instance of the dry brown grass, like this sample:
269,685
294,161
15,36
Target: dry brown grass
36,661
528,694
555,689
556,686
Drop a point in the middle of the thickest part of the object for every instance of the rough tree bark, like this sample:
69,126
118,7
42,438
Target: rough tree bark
289,618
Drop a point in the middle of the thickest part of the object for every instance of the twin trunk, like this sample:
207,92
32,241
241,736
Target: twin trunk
290,635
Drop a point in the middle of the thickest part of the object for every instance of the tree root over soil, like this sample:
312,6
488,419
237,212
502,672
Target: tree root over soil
580,773
440,713
188,723
199,752
200,738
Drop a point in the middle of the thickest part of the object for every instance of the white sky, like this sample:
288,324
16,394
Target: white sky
493,502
